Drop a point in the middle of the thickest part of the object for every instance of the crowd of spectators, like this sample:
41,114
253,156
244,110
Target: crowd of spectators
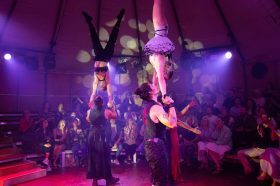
229,121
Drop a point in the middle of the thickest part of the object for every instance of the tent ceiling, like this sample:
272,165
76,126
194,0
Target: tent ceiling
255,23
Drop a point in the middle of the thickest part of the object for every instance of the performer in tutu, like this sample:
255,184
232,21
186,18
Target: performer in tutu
160,47
103,55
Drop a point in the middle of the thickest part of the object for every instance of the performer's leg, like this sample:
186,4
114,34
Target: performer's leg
109,49
159,19
244,161
97,47
157,61
216,158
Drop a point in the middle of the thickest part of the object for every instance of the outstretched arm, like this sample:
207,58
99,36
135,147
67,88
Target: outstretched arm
87,117
109,90
187,108
188,127
94,89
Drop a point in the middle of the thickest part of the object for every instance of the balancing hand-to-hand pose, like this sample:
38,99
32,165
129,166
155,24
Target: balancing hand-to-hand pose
160,47
102,56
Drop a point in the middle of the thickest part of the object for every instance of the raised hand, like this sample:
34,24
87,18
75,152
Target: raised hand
167,100
110,104
193,103
91,104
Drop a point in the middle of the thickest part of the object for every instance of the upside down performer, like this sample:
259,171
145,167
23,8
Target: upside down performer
160,47
103,55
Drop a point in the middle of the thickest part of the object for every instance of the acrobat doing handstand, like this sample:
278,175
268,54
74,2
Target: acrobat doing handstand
102,57
160,47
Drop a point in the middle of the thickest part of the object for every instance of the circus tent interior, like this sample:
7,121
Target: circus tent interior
52,56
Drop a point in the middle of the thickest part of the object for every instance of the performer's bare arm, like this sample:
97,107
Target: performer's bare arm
94,89
87,117
110,113
169,119
109,90
187,108
188,127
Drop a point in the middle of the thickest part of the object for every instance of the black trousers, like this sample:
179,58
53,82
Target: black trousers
130,150
103,54
156,157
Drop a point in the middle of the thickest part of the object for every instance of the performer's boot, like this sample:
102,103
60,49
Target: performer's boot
97,47
109,49
112,181
87,17
119,17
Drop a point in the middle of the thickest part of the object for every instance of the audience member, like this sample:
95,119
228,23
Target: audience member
220,144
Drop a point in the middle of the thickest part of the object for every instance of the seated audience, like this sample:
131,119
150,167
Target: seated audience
188,141
118,142
78,142
45,138
26,126
221,142
204,138
130,136
211,117
264,141
270,163
59,135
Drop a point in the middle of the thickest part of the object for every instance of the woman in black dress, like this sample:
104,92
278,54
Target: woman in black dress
99,155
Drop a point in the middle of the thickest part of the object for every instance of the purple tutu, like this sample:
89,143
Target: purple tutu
160,43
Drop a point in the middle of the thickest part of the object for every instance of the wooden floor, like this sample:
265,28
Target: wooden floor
139,175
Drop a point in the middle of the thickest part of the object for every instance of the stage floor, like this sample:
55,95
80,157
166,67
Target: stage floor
139,175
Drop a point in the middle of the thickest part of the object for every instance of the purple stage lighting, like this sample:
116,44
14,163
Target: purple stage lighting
228,55
7,56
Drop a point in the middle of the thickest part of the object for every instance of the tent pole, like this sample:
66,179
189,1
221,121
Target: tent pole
57,26
11,11
234,41
137,30
138,38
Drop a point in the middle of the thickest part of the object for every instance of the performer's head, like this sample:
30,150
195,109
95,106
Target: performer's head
146,91
168,69
100,73
98,102
103,85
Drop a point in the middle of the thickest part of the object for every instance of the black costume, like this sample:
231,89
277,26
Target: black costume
104,54
99,163
155,149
